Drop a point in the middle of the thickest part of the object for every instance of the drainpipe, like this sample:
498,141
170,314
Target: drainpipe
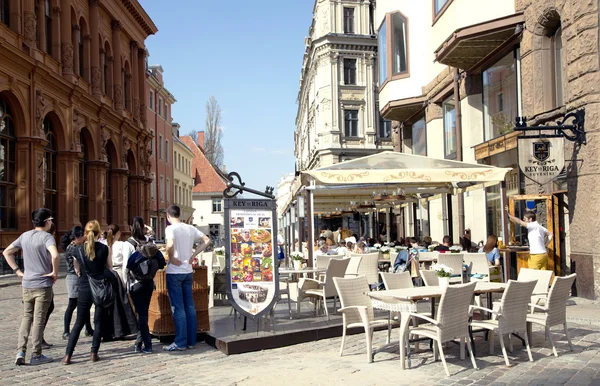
156,176
459,154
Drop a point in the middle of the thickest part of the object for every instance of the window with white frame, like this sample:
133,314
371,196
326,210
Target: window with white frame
160,146
153,187
351,123
167,151
151,100
217,205
160,106
449,128
162,188
168,190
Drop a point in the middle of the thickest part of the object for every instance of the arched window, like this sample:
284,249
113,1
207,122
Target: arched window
48,19
50,153
81,52
557,66
5,12
8,143
84,212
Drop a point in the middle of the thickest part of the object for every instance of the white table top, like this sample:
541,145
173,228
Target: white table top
289,271
418,293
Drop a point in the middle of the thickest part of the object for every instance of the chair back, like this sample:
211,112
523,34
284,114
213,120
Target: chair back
428,256
543,279
352,293
514,306
557,299
336,268
369,267
454,261
323,261
352,269
430,278
477,265
393,281
453,311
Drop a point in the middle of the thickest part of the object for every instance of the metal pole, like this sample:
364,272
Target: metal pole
311,225
387,225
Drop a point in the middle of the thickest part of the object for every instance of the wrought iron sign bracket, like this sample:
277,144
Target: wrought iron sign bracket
573,131
235,186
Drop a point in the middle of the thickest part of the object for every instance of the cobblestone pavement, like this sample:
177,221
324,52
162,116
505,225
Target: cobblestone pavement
303,364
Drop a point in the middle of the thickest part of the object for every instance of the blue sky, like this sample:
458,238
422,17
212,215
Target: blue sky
248,55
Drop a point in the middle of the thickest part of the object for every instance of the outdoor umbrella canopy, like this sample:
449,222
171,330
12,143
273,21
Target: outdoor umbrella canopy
391,167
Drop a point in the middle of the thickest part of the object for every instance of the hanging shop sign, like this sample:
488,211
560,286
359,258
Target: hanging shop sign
250,233
541,159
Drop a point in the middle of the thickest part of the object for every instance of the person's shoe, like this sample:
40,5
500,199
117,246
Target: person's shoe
46,345
137,348
173,347
191,347
94,357
66,360
39,359
89,333
65,336
20,358
147,350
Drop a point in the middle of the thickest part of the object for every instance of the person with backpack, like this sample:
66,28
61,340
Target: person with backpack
91,259
180,238
141,261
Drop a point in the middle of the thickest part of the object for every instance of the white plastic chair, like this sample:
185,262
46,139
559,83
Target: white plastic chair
555,310
510,316
454,261
540,292
321,290
452,322
357,310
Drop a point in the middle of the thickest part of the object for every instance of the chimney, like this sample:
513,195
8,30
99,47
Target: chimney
201,139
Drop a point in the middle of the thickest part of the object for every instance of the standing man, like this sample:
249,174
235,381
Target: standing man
539,238
180,239
41,260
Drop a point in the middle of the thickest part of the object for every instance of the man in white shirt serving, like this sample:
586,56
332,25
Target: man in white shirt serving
180,238
539,238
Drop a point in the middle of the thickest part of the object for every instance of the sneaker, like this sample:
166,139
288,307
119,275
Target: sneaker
191,347
173,347
20,358
39,359
147,351
137,348
46,345
65,336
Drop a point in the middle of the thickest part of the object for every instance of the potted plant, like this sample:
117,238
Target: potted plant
443,273
455,249
385,250
297,258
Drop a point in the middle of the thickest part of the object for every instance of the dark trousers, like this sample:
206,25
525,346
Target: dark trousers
84,305
71,307
140,297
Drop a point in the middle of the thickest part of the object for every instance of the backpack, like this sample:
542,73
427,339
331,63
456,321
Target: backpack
145,261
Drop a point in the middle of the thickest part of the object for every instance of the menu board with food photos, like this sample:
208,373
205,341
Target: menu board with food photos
251,240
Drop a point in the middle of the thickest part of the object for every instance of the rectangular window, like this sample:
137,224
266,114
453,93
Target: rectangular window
348,20
152,100
166,111
160,104
152,142
217,205
419,137
167,151
399,62
449,128
349,71
438,5
382,47
5,12
153,187
160,146
162,188
168,190
385,128
214,231
351,123
500,97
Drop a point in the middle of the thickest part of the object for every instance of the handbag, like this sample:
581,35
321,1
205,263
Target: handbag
103,294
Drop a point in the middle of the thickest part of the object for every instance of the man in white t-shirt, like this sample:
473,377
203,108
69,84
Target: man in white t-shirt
539,238
180,238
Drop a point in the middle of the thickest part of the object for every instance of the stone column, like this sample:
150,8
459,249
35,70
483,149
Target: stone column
117,85
134,81
56,12
29,23
120,197
143,87
335,104
26,178
68,189
75,29
97,191
66,45
15,16
95,50
41,25
110,62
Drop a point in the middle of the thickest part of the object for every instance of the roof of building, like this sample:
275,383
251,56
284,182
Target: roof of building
208,178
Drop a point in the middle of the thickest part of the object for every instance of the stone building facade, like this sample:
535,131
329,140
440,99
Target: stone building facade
183,181
530,58
72,103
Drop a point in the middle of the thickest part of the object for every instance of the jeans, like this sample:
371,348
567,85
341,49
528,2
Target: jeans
71,307
179,287
84,305
141,301
36,302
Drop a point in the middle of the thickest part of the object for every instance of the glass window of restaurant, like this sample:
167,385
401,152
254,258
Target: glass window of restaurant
419,137
494,207
449,128
500,96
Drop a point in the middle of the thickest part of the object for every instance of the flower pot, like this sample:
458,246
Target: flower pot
444,282
297,264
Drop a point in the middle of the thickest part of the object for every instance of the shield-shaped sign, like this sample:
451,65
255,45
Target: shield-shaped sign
250,239
541,159
541,152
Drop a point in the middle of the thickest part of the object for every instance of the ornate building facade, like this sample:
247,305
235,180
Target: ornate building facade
73,134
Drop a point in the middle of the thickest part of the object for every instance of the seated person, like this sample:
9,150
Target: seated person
360,248
445,246
491,252
342,249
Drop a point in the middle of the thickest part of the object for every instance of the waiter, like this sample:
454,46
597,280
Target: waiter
539,238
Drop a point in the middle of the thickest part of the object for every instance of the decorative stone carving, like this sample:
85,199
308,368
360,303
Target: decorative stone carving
40,175
118,95
29,28
104,137
115,25
79,121
325,104
136,109
143,119
126,148
56,11
94,3
96,79
148,162
40,106
143,155
67,57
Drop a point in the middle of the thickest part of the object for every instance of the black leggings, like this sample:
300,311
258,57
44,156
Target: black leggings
84,305
141,300
50,309
69,315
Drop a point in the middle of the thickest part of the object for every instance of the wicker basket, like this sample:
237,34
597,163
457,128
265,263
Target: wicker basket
160,318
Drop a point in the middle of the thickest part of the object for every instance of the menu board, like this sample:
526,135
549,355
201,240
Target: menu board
251,271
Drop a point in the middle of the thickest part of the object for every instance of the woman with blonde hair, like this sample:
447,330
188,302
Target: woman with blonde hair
92,258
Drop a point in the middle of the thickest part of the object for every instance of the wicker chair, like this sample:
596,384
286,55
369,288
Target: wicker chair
352,269
321,290
452,322
454,261
540,292
393,281
369,268
357,310
555,310
510,317
430,278
477,265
